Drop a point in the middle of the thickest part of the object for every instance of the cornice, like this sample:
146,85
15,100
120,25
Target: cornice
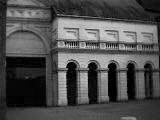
29,7
111,19
29,13
100,51
27,20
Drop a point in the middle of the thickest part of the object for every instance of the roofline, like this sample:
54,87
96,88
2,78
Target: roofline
152,10
101,18
29,6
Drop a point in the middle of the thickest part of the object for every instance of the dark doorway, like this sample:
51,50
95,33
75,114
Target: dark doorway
131,81
148,75
25,81
112,82
72,83
92,83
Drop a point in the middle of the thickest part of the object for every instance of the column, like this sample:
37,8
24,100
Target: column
83,86
50,78
140,84
103,86
62,87
156,84
122,85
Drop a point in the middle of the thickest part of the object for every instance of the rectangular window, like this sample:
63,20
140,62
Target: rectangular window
111,35
147,37
92,34
130,36
71,33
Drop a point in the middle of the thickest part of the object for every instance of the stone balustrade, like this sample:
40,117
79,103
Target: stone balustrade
122,46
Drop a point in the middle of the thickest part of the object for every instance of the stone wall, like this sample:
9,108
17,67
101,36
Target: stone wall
81,29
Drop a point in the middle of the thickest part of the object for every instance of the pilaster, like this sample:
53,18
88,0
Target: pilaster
140,84
103,86
156,84
122,85
83,86
62,87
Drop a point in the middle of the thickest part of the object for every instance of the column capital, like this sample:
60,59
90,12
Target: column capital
62,69
122,70
156,70
140,70
83,69
103,70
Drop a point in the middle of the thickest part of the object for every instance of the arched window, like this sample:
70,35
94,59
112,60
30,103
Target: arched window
112,82
148,75
72,83
131,77
92,83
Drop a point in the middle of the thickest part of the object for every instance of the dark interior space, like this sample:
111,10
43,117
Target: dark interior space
112,82
148,81
72,84
25,81
131,81
92,83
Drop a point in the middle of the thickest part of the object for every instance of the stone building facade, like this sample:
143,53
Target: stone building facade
78,59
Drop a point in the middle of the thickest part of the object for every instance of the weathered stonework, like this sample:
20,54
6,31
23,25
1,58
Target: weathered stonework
82,40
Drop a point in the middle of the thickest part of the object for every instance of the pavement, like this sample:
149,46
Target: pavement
141,110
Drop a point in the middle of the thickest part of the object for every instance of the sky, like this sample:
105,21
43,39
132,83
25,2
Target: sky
152,4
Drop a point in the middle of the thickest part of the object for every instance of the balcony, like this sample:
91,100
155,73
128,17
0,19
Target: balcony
115,46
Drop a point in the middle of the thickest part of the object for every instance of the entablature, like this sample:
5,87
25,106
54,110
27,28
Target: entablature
28,13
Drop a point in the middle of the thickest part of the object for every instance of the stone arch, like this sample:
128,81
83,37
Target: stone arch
131,80
151,63
72,81
132,62
93,81
113,77
74,61
96,62
32,30
115,62
46,54
148,79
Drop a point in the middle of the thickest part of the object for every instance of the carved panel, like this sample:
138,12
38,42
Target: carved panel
92,34
28,13
147,37
71,33
25,42
111,35
130,36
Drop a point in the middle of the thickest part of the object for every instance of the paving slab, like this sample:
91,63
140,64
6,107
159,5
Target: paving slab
141,110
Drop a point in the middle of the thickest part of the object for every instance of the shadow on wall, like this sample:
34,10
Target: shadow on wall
3,111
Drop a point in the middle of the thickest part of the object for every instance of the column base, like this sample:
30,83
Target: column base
62,102
83,100
103,99
140,97
122,98
156,94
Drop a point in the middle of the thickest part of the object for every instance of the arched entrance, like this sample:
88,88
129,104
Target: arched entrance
148,75
92,83
72,83
25,69
112,82
26,81
131,81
